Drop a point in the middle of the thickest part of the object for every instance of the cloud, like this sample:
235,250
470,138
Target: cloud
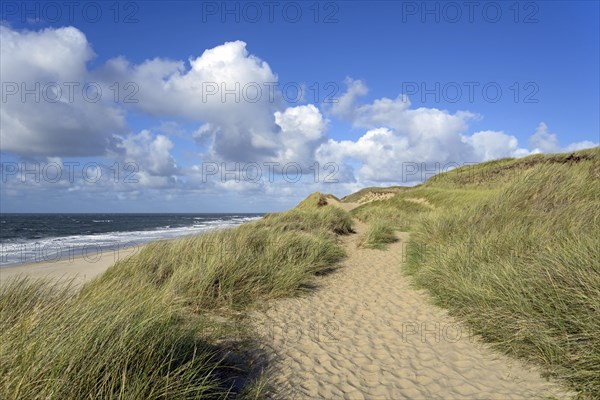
397,136
42,54
152,152
586,144
150,157
378,152
54,118
231,95
346,104
222,79
405,145
226,87
543,141
490,145
301,131
205,135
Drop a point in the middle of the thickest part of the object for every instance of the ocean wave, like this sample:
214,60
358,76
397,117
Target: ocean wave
52,249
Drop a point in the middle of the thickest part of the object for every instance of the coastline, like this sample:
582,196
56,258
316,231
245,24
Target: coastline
80,269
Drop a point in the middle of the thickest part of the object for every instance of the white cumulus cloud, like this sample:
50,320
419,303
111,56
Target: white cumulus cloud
44,109
543,141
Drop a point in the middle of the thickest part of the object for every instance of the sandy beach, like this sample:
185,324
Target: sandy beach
79,269
366,334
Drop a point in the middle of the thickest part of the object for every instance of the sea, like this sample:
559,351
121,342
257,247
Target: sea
29,238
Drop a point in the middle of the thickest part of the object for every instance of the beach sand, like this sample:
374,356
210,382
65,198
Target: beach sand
79,269
366,334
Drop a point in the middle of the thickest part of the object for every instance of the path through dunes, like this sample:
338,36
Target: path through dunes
365,334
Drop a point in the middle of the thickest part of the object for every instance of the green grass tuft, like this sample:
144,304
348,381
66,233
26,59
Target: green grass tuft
379,234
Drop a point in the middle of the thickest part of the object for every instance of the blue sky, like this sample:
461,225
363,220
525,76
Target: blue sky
430,85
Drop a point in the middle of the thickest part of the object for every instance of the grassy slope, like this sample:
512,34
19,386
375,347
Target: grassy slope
315,201
511,247
159,324
356,197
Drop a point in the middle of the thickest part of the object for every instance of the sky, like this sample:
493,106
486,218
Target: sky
211,106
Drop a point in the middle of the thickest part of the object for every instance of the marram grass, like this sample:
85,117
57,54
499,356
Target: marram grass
379,234
512,247
110,345
154,326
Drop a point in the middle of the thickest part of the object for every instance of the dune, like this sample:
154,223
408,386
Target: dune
366,334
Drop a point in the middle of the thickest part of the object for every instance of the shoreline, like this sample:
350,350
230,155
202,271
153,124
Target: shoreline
80,269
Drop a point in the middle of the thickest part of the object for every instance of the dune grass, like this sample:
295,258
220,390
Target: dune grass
328,219
230,269
162,323
362,194
379,234
316,200
523,268
399,212
512,248
109,345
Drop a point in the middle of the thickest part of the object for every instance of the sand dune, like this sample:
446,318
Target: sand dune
365,334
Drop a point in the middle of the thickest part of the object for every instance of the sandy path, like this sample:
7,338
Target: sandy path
365,334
